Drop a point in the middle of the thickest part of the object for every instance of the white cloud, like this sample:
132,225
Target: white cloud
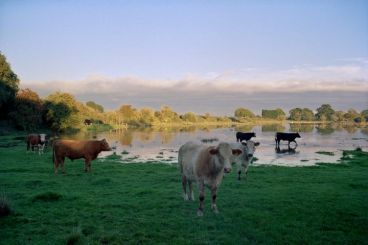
228,87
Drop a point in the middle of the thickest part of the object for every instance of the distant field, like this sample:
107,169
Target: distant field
142,203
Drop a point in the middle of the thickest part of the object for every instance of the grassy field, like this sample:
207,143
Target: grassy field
142,204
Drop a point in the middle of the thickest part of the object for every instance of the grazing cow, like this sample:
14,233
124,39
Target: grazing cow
205,165
36,140
290,137
244,136
75,149
243,160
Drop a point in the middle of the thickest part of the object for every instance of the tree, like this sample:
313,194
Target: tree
338,116
351,114
307,114
28,110
146,116
189,117
243,113
9,86
296,114
95,106
324,113
167,115
128,113
364,114
62,112
277,114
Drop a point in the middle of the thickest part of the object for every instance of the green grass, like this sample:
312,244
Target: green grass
141,203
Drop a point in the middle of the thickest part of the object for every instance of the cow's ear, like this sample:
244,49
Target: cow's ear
213,151
237,152
257,143
104,140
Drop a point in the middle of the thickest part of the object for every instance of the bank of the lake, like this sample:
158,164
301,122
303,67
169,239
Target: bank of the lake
141,203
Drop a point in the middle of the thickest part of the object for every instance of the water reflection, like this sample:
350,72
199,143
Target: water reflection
288,150
162,144
325,129
300,127
273,128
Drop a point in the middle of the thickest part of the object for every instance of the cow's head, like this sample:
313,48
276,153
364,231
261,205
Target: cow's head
224,154
105,146
250,147
298,135
42,138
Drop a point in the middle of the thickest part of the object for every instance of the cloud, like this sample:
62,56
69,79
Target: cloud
196,90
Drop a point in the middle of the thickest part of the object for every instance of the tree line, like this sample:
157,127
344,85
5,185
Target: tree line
25,110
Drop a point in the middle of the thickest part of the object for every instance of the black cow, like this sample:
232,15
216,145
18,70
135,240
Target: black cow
244,136
290,137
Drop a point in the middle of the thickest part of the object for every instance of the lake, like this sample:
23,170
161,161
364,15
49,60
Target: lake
318,142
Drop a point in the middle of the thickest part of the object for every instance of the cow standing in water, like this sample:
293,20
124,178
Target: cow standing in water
36,140
240,136
75,149
290,137
243,160
205,165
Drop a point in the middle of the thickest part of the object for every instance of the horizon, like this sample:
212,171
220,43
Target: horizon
198,56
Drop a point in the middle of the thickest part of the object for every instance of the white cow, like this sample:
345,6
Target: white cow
243,160
205,165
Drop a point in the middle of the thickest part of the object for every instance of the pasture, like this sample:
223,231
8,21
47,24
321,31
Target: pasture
141,203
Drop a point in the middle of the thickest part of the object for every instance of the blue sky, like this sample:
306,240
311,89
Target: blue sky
165,43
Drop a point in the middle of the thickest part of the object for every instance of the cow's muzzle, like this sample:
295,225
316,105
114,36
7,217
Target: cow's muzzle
250,155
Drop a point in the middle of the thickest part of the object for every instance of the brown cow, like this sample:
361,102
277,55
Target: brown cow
75,149
36,140
205,165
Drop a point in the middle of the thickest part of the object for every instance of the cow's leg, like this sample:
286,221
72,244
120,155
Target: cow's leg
87,165
56,165
246,170
190,194
239,172
214,195
62,164
28,146
201,198
184,184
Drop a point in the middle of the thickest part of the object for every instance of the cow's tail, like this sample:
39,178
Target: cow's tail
180,162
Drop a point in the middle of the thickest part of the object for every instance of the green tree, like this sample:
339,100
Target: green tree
364,114
351,114
243,113
28,110
95,106
9,86
338,116
62,112
296,114
325,112
307,114
277,114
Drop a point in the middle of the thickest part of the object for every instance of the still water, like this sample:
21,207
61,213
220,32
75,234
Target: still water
161,145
